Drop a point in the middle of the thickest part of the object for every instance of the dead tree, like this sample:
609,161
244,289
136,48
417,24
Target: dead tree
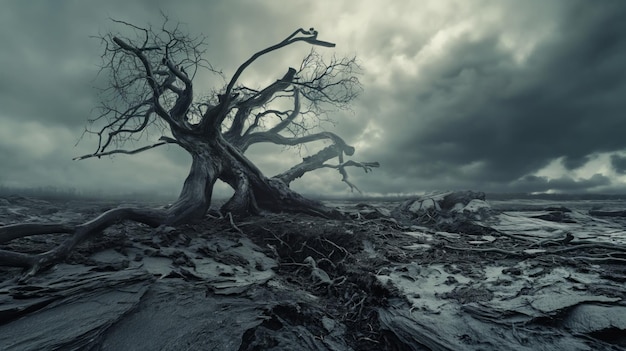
152,88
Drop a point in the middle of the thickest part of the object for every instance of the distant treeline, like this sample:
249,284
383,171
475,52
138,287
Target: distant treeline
52,193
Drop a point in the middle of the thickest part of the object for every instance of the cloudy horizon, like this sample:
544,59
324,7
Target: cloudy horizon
494,96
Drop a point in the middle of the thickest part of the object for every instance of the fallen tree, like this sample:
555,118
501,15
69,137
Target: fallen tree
152,88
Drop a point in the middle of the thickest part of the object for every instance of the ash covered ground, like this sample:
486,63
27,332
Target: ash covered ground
441,272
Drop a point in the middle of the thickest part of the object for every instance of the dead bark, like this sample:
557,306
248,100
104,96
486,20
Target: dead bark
192,204
210,161
35,262
316,161
255,193
152,86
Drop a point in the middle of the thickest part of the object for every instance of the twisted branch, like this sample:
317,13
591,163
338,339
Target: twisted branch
309,36
164,140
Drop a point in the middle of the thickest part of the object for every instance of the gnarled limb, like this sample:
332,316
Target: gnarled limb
255,193
22,230
151,85
320,84
309,36
291,117
164,140
308,164
316,161
149,77
257,100
192,204
80,232
367,167
268,137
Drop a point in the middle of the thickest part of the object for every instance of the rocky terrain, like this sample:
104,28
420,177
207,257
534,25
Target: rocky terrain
446,271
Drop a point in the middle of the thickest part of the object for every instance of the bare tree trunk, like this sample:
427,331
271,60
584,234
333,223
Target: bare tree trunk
195,197
278,197
243,201
255,193
211,160
153,75
192,205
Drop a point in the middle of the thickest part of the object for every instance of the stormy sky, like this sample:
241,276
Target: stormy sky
498,96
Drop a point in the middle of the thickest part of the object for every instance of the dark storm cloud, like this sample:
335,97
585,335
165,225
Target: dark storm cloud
575,162
564,184
458,94
619,164
49,59
479,115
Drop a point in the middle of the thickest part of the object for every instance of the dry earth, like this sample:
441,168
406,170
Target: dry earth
461,276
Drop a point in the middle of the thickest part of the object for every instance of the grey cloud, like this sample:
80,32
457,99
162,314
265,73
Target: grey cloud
478,107
576,162
563,184
477,117
618,163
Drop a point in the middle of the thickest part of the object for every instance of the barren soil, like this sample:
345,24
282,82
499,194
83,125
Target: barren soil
531,276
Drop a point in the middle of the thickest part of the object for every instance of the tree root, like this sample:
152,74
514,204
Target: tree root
232,223
16,231
186,209
36,262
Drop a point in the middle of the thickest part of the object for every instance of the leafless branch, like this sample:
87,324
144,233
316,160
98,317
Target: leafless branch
164,140
149,82
309,36
367,167
334,83
317,160
269,137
